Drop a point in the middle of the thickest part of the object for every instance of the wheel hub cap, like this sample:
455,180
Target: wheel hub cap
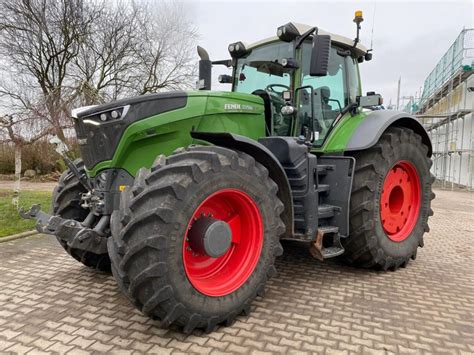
400,201
209,236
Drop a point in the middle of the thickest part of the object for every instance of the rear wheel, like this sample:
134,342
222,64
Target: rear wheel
390,201
196,237
66,203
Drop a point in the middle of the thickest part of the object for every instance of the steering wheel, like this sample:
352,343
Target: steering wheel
271,87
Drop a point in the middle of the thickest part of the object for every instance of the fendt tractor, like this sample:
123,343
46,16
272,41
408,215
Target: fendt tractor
186,196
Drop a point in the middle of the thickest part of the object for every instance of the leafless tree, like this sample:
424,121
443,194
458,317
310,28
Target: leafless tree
106,58
136,48
38,41
167,49
58,53
55,54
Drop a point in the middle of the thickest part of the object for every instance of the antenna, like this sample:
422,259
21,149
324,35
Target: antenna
373,24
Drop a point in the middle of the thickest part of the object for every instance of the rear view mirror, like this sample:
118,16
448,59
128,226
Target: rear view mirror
372,99
320,55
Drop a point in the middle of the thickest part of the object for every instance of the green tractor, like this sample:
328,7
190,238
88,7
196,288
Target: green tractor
186,196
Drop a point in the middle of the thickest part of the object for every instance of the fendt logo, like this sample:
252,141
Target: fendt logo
231,106
238,107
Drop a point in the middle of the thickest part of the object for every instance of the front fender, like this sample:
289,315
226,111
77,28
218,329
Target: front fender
265,157
368,132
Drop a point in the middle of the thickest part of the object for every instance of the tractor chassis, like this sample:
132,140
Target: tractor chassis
76,234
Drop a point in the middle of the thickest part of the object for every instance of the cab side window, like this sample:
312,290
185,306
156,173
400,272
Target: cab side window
330,92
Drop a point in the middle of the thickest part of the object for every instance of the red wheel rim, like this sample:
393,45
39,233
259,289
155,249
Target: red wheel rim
225,274
400,201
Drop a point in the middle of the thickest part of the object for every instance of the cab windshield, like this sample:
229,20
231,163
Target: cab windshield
262,68
319,100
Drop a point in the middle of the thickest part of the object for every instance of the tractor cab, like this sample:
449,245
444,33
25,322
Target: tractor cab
307,78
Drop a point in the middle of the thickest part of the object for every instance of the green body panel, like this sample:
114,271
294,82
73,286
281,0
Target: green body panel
205,111
341,134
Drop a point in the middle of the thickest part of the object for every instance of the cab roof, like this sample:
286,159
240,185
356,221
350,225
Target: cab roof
302,28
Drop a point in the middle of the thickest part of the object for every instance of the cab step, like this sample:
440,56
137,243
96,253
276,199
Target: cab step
324,188
326,211
327,243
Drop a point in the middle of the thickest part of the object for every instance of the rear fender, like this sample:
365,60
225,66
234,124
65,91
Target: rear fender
376,123
265,157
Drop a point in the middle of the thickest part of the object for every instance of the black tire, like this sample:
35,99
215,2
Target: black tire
146,247
368,244
66,202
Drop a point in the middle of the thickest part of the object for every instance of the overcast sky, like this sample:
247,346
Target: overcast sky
409,37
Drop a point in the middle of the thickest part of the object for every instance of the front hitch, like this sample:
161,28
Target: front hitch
76,234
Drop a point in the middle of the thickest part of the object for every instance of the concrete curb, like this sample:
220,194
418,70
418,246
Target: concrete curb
18,236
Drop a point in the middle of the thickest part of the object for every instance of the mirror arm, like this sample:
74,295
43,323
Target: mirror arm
352,108
305,35
226,62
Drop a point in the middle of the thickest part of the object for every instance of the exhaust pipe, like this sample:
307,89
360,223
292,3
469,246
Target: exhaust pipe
205,69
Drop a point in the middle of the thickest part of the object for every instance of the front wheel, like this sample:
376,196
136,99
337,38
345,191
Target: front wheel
66,203
195,238
390,201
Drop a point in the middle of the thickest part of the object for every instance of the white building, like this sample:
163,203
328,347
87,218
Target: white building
447,109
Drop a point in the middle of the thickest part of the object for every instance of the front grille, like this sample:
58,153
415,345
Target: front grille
98,142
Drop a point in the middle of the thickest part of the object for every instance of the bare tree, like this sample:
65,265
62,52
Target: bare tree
167,49
137,48
55,54
106,58
38,41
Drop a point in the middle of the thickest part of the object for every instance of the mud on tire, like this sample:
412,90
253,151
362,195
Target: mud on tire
66,202
368,244
148,230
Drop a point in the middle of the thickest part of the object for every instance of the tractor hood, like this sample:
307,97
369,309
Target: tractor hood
109,134
99,128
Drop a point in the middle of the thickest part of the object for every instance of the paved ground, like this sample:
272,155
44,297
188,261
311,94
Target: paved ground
51,303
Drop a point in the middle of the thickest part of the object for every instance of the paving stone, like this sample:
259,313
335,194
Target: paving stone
100,347
8,334
18,348
59,347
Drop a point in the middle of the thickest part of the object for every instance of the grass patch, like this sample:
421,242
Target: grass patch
10,221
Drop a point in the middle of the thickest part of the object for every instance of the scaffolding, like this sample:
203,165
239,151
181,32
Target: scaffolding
459,57
446,109
453,159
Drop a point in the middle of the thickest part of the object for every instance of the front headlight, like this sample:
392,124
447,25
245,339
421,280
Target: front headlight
108,116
